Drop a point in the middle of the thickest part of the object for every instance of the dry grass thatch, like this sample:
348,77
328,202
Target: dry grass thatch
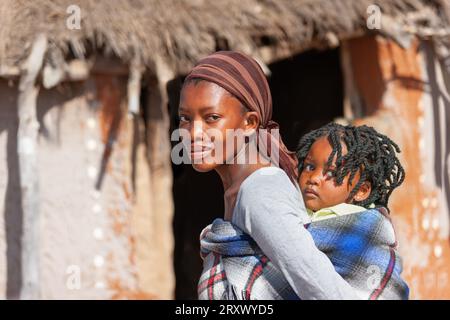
183,31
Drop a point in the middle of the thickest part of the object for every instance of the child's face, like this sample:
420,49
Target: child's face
317,182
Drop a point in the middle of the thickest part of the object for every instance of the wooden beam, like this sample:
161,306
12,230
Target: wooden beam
27,144
134,86
353,105
9,72
158,155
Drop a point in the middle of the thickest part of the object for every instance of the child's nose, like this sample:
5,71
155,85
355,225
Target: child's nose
314,177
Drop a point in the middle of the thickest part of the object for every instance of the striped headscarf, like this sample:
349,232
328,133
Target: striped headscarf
242,76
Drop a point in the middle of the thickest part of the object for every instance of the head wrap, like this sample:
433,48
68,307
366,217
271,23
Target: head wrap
242,76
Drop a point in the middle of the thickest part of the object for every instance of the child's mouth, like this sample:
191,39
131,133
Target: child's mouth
310,193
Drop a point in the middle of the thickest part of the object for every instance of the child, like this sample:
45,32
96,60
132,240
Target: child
347,169
348,173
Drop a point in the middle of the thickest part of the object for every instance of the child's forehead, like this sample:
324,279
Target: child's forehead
322,147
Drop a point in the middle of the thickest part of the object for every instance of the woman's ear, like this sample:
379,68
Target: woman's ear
251,122
363,192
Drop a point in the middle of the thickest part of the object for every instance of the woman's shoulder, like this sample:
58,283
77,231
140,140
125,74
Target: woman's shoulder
267,179
267,194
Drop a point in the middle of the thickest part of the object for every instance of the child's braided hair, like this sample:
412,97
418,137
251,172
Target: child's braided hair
368,151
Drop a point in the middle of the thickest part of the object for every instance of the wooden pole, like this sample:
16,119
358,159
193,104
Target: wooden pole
159,147
27,144
134,86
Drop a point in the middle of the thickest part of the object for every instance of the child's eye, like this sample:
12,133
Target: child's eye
309,167
330,173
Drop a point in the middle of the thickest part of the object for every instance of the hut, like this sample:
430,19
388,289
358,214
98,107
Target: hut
92,206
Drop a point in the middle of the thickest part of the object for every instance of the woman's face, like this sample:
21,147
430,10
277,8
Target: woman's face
317,182
206,111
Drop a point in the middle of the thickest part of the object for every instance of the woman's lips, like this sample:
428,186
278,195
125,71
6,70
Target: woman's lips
196,146
201,151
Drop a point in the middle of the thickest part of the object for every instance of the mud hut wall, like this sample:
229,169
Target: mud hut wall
401,92
94,229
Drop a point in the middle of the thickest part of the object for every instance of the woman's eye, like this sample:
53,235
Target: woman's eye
309,167
213,117
183,118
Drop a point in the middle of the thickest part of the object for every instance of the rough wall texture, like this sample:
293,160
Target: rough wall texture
96,228
84,193
401,93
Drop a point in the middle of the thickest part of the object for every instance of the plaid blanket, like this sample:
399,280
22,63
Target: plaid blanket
361,246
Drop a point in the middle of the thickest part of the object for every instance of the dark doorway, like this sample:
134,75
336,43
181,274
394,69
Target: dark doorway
307,92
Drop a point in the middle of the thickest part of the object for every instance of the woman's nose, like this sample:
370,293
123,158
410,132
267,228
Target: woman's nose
197,130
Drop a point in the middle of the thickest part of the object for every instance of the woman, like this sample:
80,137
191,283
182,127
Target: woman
260,250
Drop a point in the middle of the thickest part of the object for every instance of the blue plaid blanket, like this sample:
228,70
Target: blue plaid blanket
361,246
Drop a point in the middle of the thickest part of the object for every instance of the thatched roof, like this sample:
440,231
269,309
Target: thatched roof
184,31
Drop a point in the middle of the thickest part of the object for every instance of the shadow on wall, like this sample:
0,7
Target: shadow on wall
12,202
307,93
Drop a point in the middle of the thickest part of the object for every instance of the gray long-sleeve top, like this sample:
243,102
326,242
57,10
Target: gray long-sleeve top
271,210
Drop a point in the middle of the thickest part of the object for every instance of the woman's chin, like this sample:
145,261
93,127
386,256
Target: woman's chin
204,167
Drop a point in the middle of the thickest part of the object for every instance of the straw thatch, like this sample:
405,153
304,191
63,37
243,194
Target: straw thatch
183,31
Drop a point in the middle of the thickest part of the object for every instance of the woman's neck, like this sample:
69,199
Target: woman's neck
232,176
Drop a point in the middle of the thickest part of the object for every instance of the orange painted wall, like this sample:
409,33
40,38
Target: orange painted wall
394,86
